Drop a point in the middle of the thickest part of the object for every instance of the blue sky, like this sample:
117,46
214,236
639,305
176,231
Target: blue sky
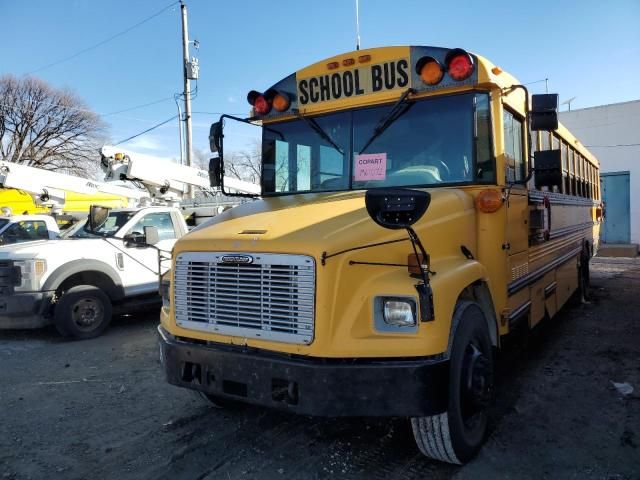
588,49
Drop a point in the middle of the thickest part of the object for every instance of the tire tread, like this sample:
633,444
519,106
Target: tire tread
433,439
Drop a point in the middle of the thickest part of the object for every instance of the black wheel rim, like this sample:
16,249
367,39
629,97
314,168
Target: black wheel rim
87,313
476,384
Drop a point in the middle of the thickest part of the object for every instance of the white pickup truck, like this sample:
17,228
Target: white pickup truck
77,282
26,228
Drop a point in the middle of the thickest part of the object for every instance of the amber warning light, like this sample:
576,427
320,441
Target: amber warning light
489,200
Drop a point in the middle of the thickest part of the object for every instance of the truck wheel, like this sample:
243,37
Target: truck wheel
456,435
82,312
584,279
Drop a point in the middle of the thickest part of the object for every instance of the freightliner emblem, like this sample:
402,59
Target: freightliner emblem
237,259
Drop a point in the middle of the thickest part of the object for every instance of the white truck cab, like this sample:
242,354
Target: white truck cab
27,228
78,281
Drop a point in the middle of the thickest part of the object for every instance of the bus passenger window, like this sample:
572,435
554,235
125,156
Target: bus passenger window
544,136
513,147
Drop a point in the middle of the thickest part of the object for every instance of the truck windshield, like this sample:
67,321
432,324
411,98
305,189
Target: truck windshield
433,142
114,222
3,222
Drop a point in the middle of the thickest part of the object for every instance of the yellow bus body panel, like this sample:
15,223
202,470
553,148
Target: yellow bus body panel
315,223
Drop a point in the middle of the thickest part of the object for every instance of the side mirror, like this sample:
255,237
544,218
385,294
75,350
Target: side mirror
215,137
97,217
215,172
152,237
548,169
396,208
544,112
135,240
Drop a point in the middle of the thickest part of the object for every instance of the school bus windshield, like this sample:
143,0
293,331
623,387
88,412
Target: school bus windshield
433,142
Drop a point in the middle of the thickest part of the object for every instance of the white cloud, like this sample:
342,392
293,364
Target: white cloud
231,99
146,143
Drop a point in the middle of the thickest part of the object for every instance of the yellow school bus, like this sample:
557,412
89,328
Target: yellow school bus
418,205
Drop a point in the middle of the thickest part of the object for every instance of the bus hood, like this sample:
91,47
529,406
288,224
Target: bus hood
311,224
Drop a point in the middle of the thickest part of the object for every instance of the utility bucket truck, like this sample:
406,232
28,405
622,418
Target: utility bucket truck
34,193
108,265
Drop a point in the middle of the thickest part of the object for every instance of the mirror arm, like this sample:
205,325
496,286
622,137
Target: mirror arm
415,241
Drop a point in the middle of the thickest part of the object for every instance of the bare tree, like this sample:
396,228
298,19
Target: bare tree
244,164
200,159
45,127
240,164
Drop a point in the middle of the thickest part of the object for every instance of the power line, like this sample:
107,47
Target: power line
145,131
219,113
106,40
78,109
137,106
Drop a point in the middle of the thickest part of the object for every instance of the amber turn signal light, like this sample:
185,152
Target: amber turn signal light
489,200
281,102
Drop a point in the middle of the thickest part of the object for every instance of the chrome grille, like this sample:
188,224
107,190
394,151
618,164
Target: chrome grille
270,297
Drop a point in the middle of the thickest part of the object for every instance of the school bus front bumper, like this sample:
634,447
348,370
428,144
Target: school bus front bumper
308,385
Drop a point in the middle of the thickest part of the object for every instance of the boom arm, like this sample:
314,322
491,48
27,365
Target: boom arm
165,181
48,188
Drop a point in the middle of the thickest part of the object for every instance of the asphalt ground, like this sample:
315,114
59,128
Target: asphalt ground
101,409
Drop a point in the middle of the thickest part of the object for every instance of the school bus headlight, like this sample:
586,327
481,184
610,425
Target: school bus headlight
399,313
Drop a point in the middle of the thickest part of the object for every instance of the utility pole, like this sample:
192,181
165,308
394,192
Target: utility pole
187,88
357,25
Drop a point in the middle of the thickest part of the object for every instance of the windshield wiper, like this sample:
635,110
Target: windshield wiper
313,125
398,109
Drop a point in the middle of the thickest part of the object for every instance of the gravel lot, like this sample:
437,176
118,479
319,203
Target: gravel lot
101,409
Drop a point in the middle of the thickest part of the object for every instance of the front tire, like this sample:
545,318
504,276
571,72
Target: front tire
456,435
83,312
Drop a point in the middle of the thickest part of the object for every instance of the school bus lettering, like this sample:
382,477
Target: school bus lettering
360,81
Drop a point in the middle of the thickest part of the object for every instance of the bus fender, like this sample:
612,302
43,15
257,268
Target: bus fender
462,280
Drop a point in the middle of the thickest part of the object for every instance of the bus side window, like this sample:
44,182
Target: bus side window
485,165
567,156
513,147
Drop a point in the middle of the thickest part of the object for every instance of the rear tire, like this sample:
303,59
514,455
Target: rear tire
456,435
83,312
584,277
